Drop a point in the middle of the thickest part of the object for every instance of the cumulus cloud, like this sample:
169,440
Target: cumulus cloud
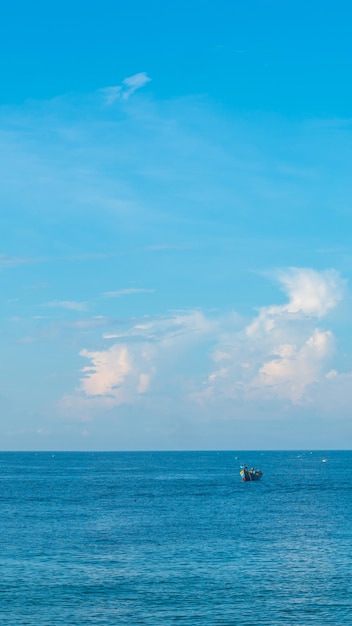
139,358
282,354
293,369
126,89
310,293
114,377
107,372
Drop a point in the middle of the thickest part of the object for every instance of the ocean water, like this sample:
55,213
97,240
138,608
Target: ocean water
175,538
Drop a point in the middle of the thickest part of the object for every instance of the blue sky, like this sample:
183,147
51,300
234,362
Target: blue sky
175,225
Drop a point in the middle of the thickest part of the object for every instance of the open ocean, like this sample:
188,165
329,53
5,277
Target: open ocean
160,538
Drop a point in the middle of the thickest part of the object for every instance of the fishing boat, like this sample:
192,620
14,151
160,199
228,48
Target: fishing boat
249,474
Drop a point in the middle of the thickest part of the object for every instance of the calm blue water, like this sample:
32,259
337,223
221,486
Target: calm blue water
175,538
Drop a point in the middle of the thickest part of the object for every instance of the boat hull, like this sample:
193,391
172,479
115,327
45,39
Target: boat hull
250,475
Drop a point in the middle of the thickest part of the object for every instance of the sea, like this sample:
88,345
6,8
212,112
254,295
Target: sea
161,538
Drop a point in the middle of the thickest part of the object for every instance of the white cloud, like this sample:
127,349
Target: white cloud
126,371
12,261
311,294
294,369
132,83
124,91
70,305
126,292
118,375
107,371
282,354
111,94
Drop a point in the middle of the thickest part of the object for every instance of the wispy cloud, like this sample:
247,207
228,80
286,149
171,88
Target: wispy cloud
132,83
166,246
126,89
70,305
12,261
38,286
111,94
148,168
126,292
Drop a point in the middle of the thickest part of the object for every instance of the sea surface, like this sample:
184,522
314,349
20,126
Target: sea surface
158,538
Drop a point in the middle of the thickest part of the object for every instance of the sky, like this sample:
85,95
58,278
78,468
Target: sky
175,225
